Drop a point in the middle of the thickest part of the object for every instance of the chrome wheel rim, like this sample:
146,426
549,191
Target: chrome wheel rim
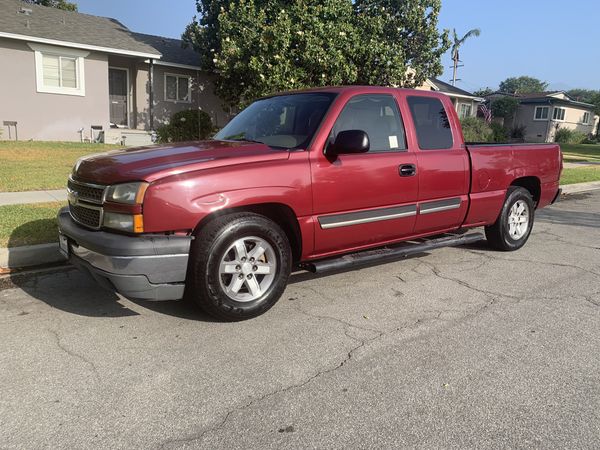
247,269
518,220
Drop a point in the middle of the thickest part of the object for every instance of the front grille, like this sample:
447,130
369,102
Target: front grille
86,192
85,203
88,216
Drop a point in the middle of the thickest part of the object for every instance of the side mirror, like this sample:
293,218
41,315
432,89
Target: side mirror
349,141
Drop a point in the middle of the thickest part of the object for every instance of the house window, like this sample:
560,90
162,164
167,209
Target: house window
465,110
559,114
586,118
541,113
59,70
178,88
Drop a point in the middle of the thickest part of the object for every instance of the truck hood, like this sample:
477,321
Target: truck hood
155,162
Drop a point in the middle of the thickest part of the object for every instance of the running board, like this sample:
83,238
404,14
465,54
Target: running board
386,254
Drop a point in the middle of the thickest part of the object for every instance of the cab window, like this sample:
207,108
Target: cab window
431,123
378,116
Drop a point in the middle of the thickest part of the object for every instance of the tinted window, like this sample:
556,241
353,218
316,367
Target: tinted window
431,123
376,115
284,121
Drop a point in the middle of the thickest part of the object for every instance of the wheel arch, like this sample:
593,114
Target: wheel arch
280,213
532,184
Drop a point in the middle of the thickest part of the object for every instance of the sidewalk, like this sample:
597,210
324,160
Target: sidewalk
15,198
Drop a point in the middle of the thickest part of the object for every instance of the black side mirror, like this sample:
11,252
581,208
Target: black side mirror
349,141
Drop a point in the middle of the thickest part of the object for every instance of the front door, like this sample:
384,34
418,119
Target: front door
365,199
117,90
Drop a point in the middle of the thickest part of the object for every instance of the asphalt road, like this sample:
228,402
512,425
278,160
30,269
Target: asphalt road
463,347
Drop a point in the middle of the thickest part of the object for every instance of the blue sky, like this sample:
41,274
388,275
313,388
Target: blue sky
548,39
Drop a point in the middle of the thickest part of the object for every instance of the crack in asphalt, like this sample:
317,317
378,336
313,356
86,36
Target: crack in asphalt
75,355
349,355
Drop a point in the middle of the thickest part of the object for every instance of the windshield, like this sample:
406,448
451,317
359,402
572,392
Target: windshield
284,121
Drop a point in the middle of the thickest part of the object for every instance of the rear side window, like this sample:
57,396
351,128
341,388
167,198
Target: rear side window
378,116
431,123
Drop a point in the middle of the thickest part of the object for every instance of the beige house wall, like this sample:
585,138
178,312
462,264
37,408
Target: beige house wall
545,130
43,116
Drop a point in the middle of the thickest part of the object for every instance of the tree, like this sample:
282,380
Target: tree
582,95
60,4
457,43
484,92
257,47
504,107
522,85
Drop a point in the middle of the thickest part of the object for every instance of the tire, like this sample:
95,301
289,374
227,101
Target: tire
224,277
504,234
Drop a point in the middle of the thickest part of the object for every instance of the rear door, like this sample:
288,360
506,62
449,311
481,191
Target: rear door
443,164
364,199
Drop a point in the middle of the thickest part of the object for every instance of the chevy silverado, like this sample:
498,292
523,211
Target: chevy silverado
322,179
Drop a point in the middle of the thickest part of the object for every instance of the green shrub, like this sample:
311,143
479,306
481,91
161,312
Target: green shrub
499,133
566,136
188,125
518,132
476,130
590,141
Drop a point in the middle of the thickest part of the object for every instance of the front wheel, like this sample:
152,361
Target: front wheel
239,266
513,227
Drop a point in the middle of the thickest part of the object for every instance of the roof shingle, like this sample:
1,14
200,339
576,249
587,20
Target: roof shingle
69,27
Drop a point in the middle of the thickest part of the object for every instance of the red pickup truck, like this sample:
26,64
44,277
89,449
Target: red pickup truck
322,179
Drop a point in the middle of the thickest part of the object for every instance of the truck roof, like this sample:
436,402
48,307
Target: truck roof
357,89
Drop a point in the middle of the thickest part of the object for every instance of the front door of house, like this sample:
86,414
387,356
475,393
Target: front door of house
117,90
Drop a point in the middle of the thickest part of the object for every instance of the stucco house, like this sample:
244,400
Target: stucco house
465,103
67,76
543,114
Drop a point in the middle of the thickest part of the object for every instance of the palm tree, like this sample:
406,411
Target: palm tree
456,45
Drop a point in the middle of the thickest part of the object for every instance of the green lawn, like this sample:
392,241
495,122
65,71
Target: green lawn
581,152
30,166
28,224
580,175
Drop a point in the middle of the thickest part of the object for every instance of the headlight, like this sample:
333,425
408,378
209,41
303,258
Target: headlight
128,193
133,223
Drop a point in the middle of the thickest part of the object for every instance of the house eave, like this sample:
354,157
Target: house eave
114,51
176,65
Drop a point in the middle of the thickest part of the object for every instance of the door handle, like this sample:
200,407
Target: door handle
407,170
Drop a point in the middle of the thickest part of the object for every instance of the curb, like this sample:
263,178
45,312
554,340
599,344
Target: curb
580,187
30,255
37,255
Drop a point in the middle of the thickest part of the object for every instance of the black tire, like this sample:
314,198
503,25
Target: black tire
498,235
211,242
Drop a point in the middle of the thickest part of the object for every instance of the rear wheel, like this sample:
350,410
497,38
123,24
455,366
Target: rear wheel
513,227
239,266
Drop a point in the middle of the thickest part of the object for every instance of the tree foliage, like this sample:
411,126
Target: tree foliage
523,85
60,4
504,106
257,47
484,92
587,96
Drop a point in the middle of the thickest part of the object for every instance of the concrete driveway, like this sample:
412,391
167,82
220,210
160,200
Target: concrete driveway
463,347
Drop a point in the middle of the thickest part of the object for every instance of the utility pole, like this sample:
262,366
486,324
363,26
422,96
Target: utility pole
455,67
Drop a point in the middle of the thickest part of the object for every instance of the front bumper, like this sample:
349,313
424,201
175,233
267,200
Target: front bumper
148,267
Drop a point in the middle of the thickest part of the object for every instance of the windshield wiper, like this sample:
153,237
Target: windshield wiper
243,140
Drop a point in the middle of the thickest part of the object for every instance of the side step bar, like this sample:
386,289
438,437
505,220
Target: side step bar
386,254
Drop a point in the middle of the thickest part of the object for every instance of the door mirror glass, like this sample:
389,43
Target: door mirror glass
348,142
